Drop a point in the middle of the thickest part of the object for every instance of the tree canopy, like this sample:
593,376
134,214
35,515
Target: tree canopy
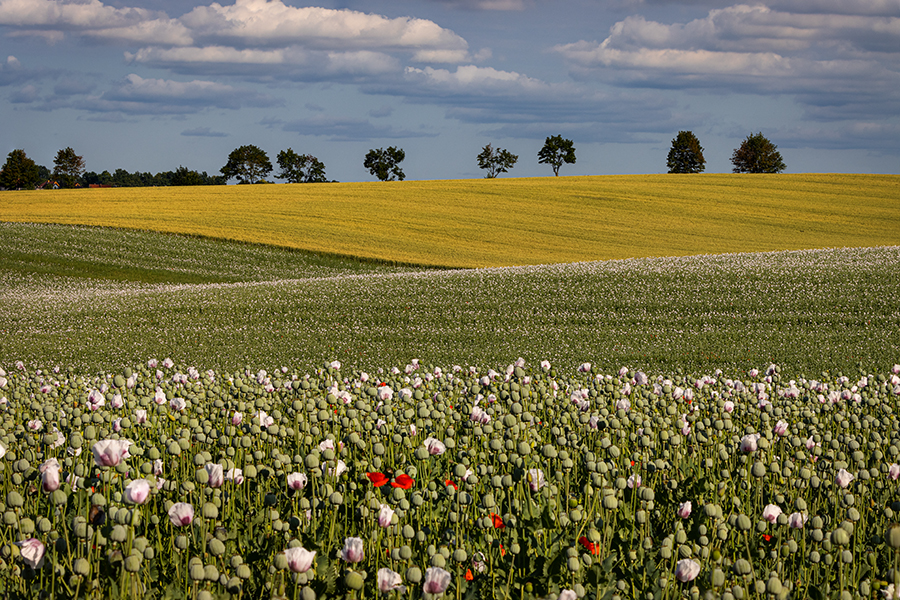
496,161
757,155
557,151
68,167
686,154
19,172
384,164
247,164
300,168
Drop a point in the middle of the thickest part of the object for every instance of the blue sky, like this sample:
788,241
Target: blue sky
151,85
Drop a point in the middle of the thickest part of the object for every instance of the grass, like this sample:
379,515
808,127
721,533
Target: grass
807,310
504,222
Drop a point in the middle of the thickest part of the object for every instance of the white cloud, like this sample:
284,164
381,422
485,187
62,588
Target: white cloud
137,95
753,49
347,129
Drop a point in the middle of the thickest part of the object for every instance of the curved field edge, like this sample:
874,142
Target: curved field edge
47,250
810,311
482,223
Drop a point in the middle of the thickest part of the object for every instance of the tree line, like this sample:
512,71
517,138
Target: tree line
249,164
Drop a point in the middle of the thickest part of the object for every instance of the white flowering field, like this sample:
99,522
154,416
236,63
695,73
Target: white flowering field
188,419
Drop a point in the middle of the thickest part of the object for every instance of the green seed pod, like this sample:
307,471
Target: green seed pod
354,580
414,574
243,571
573,564
82,567
210,511
197,572
181,542
216,547
210,573
743,522
133,563
742,567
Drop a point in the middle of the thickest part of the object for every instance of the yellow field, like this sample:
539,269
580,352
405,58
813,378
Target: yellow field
500,222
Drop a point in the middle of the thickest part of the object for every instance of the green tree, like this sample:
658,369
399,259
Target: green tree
68,167
19,172
300,168
557,151
686,154
384,164
757,155
185,176
496,161
248,164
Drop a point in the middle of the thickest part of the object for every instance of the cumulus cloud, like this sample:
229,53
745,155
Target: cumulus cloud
839,60
515,105
263,33
137,95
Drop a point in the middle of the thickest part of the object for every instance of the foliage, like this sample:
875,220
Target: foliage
247,164
300,168
522,482
686,154
757,154
182,176
19,172
496,161
68,167
385,164
557,151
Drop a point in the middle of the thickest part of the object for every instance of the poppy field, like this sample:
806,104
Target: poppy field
419,481
189,418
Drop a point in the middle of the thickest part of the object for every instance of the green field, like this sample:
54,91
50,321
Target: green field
505,222
226,305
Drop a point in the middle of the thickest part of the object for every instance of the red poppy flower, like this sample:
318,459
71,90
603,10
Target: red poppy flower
590,546
498,522
403,481
450,482
502,550
767,537
469,576
378,479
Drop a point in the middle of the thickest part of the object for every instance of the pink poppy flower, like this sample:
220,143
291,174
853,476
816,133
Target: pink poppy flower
353,550
843,478
771,512
634,481
781,428
389,581
32,552
434,446
216,474
177,404
385,515
296,481
181,514
437,580
535,479
684,509
235,475
299,559
748,442
686,570
137,491
797,520
479,416
49,475
894,471
110,453
140,416
236,418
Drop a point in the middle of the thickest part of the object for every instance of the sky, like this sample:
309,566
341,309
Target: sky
151,85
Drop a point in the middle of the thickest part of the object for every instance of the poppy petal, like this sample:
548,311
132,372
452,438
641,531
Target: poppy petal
378,479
